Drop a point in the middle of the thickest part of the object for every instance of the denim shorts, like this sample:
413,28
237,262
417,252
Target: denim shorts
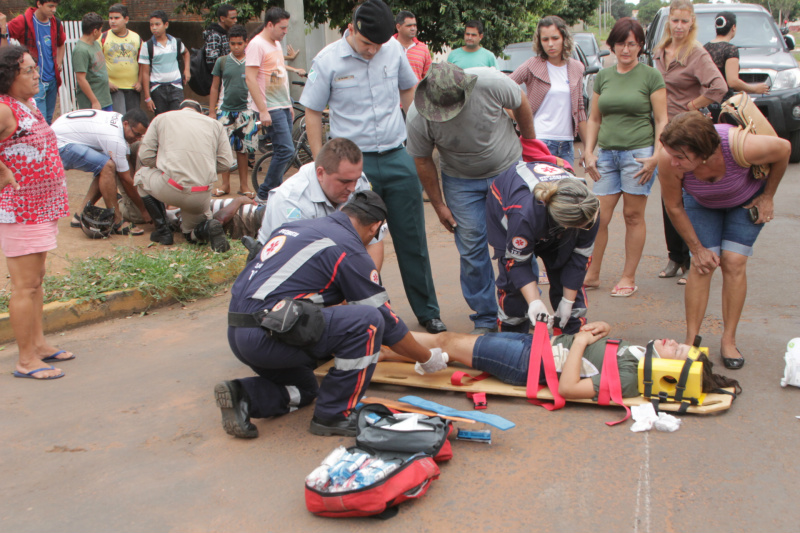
81,157
617,168
505,355
723,229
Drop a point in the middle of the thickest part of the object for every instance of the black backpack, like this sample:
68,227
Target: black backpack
201,79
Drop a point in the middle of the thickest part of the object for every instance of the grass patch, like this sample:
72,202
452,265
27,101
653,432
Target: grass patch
181,272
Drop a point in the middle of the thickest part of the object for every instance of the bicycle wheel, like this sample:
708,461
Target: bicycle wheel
302,152
260,170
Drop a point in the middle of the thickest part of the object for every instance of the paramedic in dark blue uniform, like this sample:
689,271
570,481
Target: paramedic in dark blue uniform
323,260
541,209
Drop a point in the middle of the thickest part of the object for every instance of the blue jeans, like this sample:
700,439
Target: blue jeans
505,356
617,169
46,99
82,157
563,149
280,132
466,199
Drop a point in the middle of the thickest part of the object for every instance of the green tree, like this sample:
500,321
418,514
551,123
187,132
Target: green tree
76,9
780,9
573,11
246,9
648,10
441,23
620,9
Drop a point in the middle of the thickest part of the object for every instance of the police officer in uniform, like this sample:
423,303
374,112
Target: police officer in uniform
317,190
322,261
539,208
364,78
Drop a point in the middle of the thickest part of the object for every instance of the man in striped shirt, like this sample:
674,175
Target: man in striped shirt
419,57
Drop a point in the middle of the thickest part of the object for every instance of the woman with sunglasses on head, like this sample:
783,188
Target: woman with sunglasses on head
693,82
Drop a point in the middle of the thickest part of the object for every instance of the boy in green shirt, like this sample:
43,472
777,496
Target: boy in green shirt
233,113
89,65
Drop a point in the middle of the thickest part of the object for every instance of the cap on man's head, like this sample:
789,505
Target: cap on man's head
441,94
374,20
369,202
191,104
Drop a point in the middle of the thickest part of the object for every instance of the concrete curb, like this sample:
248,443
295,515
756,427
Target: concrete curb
59,316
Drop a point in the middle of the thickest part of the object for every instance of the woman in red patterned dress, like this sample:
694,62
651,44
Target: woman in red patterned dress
33,196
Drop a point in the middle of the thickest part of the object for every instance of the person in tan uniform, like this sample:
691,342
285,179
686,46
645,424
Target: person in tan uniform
181,154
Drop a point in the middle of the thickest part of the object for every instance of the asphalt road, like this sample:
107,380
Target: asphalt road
130,439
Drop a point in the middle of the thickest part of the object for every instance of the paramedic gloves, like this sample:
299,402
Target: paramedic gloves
438,361
537,308
563,312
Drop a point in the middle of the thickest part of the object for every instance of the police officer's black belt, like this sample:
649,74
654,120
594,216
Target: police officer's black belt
243,320
389,151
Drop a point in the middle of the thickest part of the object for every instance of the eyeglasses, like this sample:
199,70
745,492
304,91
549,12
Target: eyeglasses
631,45
28,71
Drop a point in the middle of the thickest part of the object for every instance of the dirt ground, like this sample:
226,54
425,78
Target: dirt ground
130,440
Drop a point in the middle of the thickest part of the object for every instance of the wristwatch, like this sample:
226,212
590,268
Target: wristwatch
4,36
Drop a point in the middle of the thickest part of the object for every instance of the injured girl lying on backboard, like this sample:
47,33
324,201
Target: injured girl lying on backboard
578,359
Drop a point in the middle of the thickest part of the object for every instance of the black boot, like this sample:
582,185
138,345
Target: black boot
158,212
211,231
253,247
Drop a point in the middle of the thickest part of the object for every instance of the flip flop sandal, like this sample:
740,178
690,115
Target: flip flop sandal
54,358
31,374
219,192
249,194
130,229
75,222
618,291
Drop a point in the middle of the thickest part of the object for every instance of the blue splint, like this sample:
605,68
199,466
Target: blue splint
493,420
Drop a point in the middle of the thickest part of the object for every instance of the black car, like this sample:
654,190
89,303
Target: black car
519,53
764,56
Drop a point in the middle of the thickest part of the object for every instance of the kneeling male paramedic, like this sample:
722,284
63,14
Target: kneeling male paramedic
305,265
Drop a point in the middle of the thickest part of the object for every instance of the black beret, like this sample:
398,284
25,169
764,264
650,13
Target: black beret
374,20
369,202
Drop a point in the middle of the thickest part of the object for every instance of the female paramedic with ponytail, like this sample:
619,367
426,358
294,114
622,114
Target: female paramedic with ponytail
540,209
578,358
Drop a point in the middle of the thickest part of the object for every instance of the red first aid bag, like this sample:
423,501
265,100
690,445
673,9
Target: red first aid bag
410,481
414,454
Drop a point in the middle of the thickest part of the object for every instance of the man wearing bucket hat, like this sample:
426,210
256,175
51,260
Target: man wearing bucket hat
462,114
363,78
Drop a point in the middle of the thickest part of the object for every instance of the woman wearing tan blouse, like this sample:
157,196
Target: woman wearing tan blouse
693,82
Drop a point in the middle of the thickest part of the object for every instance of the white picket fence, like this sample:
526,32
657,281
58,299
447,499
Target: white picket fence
66,94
